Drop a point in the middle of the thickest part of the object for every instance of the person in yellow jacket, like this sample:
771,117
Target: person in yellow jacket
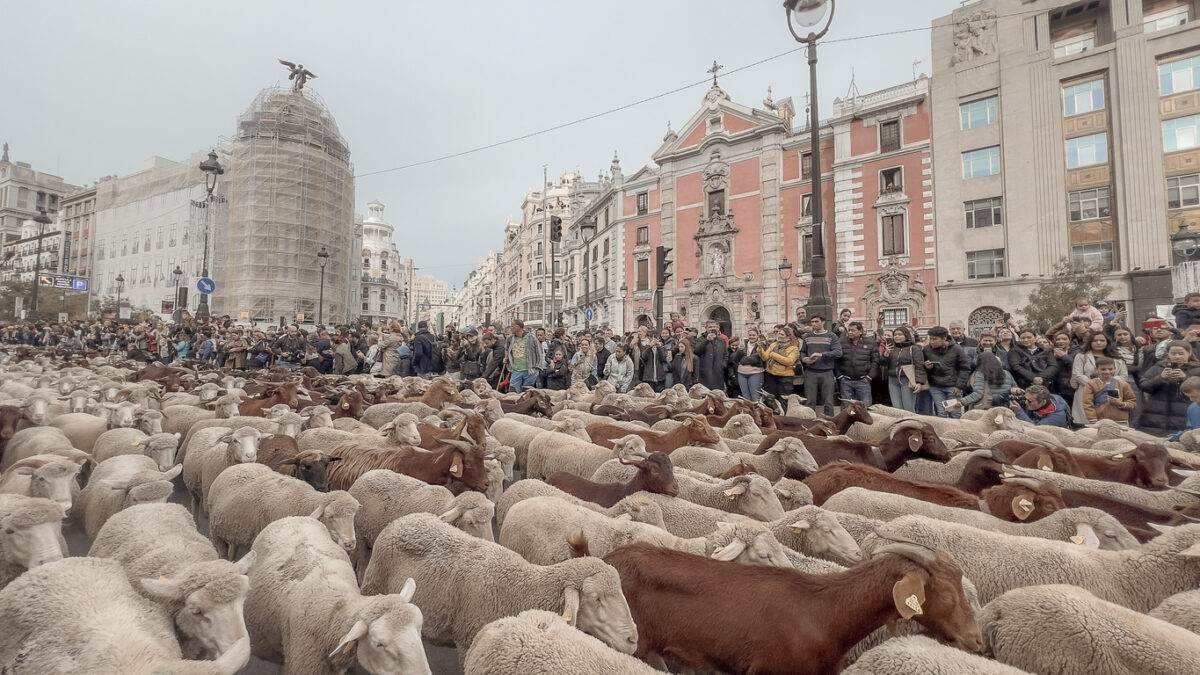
780,357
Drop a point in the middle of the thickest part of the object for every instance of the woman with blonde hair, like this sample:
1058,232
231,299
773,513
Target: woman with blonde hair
780,358
389,346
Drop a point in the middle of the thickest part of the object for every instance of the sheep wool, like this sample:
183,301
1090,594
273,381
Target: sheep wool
919,655
1181,609
537,642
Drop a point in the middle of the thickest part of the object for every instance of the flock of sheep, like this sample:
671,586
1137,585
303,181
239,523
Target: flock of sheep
350,522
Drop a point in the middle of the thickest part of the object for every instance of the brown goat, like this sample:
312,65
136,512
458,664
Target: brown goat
284,393
1135,517
530,403
979,474
833,478
740,469
351,405
453,460
655,474
1145,466
281,454
715,615
439,393
1022,500
691,431
475,426
854,412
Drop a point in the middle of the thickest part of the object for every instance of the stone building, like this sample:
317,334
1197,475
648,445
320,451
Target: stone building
20,184
78,213
1066,130
380,293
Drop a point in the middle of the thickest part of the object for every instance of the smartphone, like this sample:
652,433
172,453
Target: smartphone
946,404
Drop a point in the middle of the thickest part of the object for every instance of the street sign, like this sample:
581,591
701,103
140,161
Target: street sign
588,314
245,316
299,316
125,312
62,317
206,285
63,282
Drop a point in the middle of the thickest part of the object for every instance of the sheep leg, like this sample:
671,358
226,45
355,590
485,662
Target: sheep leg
657,662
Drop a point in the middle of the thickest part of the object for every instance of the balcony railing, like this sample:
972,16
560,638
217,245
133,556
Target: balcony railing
372,279
593,298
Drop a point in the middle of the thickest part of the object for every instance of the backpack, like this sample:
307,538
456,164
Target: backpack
405,351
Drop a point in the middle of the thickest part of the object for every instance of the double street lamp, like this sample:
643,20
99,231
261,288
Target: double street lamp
808,14
322,259
211,168
42,220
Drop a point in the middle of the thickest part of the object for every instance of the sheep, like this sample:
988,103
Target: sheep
1138,579
205,432
83,429
792,493
1065,629
540,529
173,565
505,454
519,433
80,615
181,418
203,464
639,509
30,535
551,451
304,609
382,413
788,455
813,531
47,476
1181,609
537,642
319,417
34,441
1154,499
1020,502
749,495
458,570
159,447
919,655
588,418
386,495
121,482
739,426
939,472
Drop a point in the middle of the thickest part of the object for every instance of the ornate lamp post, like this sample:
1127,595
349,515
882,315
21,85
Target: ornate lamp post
785,273
624,289
322,259
177,276
1185,244
211,168
120,287
809,14
42,220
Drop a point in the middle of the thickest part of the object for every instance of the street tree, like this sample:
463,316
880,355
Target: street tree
1055,296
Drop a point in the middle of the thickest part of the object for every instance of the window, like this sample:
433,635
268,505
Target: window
1169,18
643,203
171,237
715,123
366,307
1083,97
891,180
1177,76
135,244
366,262
987,264
1074,45
383,264
1098,255
806,166
382,307
1183,191
893,235
806,253
895,316
539,248
1088,204
605,248
889,136
977,113
982,213
982,162
642,274
643,235
539,268
1181,133
806,206
1087,150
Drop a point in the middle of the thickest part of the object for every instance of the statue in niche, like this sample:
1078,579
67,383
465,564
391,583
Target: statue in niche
716,263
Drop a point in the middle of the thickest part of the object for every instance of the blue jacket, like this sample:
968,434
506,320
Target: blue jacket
1054,414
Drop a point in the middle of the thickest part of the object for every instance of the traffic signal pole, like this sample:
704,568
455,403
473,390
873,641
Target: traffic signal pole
661,274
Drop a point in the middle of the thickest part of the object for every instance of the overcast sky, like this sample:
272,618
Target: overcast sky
95,88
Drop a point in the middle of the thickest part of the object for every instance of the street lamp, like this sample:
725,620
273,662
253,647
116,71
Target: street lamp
177,275
809,14
42,220
322,259
211,168
120,287
785,273
624,289
1185,244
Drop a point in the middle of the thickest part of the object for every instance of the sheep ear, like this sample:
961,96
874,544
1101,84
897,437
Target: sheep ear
909,593
1192,551
451,515
358,630
729,552
408,590
1045,462
914,441
317,514
177,435
1118,456
736,490
243,565
291,462
800,526
172,472
162,588
571,604
22,470
1022,505
623,516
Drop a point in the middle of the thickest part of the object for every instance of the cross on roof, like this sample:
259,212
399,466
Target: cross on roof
713,70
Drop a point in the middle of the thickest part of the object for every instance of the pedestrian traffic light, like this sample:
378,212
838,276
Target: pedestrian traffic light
661,263
555,228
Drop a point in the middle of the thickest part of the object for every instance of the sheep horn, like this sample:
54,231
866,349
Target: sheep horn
460,444
1191,518
1027,482
914,552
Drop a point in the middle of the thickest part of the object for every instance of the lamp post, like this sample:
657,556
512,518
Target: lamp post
42,220
624,289
785,273
177,276
809,14
1185,244
211,168
120,287
322,259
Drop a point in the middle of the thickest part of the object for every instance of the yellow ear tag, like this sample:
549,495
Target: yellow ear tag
1025,505
349,646
163,579
718,550
1007,475
346,406
1076,539
731,494
912,603
1119,456
567,615
1046,468
456,467
134,444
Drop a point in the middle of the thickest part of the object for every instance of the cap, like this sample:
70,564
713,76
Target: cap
470,330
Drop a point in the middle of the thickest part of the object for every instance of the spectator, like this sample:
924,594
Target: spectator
1064,350
424,347
469,356
1188,314
606,347
1128,352
583,363
958,336
839,328
779,358
389,349
1037,405
713,354
1084,369
1030,364
947,369
290,347
820,354
1105,397
1190,389
684,364
494,349
619,369
1164,410
858,364
558,371
524,356
1084,309
653,362
1005,342
990,384
905,369
751,367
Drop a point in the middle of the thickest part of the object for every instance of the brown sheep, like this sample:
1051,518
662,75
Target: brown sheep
693,431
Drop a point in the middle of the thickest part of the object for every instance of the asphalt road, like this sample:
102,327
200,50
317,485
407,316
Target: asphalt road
442,660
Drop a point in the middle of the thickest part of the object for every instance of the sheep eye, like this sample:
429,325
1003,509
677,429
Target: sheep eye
376,644
197,611
9,530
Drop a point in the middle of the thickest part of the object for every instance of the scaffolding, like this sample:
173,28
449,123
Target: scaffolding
291,191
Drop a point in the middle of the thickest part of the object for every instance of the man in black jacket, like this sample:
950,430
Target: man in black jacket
1030,364
291,347
711,355
947,370
652,363
470,356
424,347
970,346
858,364
493,350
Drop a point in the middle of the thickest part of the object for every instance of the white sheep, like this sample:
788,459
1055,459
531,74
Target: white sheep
888,506
537,642
381,413
518,433
83,429
121,482
159,447
788,453
588,418
469,582
34,441
246,498
814,531
203,464
740,425
750,495
919,655
551,451
639,509
47,476
1165,500
304,609
1181,609
173,565
539,529
80,615
792,493
1065,629
939,472
1138,579
181,418
30,535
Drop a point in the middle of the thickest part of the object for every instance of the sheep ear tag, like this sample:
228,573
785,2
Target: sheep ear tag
1022,507
1076,539
456,468
1118,456
908,593
914,442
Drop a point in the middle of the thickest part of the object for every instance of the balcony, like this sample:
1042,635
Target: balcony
592,299
372,279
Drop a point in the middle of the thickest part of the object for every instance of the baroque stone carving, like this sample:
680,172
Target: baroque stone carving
895,287
975,36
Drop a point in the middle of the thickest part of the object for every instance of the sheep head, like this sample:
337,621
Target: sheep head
210,595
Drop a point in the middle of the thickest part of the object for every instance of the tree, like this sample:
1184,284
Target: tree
1055,297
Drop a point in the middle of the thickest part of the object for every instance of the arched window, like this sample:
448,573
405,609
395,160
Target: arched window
983,320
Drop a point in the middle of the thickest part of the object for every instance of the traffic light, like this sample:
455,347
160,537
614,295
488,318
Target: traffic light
555,228
661,263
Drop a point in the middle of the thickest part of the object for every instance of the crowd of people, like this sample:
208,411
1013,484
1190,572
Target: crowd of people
1089,366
